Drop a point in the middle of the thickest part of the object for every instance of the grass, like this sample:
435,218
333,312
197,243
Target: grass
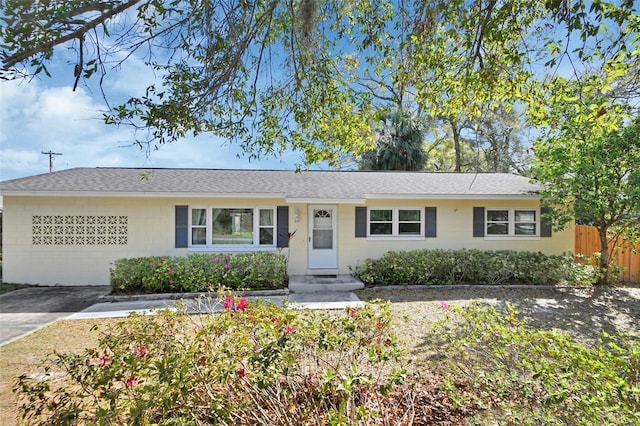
24,355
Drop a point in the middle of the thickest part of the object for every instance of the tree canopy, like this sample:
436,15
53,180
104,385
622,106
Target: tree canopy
310,75
592,173
399,144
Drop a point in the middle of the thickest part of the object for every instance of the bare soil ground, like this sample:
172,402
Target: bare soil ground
583,312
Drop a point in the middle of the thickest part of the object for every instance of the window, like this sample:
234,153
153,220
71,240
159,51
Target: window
409,222
232,226
322,229
266,226
380,222
396,222
198,226
525,222
511,222
497,222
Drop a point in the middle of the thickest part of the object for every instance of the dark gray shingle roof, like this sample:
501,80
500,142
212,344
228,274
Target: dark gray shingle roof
337,185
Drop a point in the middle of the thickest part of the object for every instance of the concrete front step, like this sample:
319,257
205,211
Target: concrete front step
323,283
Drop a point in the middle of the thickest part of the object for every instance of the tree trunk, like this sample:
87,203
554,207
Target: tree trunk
456,145
604,256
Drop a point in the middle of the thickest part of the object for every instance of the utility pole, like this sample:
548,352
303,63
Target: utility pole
51,154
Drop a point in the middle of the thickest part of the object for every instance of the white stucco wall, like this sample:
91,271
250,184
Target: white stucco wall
150,231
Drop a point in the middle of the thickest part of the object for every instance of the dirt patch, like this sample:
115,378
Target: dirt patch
583,312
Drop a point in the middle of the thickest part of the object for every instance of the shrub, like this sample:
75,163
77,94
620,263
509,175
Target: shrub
441,267
252,363
540,376
199,273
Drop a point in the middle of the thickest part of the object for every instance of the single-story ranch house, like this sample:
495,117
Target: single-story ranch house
68,227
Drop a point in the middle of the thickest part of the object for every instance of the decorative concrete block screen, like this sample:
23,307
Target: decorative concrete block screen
79,230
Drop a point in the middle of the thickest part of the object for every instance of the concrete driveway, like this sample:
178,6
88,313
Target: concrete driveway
26,310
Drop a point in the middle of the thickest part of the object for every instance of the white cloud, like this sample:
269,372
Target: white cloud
40,116
46,114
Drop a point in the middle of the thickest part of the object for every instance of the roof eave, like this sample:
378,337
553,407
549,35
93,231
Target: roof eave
116,194
527,196
320,200
292,200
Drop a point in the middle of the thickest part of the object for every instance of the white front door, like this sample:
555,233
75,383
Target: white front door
323,238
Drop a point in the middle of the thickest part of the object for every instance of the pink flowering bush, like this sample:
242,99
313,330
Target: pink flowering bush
249,363
199,273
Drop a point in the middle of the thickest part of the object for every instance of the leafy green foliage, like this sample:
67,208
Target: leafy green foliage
399,144
591,168
253,363
311,76
444,267
540,376
199,273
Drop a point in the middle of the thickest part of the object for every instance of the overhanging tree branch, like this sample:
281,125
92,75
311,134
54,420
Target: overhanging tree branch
11,60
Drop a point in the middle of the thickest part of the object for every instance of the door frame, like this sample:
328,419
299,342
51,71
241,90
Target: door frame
324,258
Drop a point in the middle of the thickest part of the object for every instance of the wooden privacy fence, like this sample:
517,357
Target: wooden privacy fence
587,242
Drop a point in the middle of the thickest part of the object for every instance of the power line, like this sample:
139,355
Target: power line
51,154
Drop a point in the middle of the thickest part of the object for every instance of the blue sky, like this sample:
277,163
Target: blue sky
46,114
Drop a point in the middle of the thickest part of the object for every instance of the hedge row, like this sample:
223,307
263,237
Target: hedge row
199,272
443,267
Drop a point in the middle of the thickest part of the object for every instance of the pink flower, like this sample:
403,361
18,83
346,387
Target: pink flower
242,304
444,305
443,251
240,372
289,330
379,324
228,302
141,352
104,361
170,271
353,312
131,382
226,266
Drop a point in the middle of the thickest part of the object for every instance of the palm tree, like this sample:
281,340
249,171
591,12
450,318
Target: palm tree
399,144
